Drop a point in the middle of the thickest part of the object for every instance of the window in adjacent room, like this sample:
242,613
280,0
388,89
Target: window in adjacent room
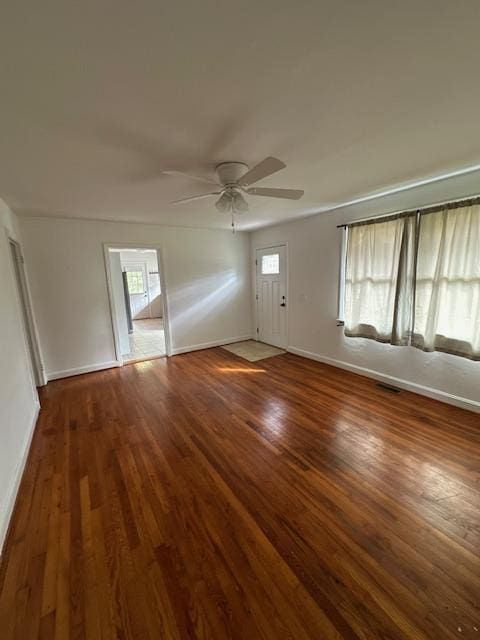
135,282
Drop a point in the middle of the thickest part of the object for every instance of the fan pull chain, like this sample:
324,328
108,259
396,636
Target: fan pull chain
233,222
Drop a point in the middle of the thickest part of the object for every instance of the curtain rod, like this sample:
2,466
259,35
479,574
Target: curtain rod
438,206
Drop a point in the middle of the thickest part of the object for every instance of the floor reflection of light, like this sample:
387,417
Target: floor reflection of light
410,476
274,416
438,483
362,450
144,365
239,370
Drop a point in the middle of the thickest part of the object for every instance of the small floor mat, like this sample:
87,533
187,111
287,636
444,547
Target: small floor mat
252,350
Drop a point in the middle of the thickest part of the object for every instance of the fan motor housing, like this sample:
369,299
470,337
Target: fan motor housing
231,172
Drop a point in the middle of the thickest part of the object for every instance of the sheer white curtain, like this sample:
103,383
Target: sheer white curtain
379,280
447,299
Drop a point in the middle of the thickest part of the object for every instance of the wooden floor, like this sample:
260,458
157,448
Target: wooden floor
207,497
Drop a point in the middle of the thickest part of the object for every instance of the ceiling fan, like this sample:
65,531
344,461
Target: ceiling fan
235,180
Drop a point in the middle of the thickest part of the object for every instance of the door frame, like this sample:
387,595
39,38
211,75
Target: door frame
262,247
163,287
24,301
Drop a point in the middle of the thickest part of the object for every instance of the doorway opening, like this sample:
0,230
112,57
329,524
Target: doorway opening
35,358
138,303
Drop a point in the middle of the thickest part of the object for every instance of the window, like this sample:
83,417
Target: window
271,264
447,300
379,280
135,282
415,280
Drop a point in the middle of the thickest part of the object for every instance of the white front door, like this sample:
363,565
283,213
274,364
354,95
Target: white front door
272,295
138,290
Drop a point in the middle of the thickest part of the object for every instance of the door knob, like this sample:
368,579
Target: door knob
283,303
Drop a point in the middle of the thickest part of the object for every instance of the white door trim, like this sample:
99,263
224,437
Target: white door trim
262,247
24,300
163,287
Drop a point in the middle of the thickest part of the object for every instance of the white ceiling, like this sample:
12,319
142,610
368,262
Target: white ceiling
98,98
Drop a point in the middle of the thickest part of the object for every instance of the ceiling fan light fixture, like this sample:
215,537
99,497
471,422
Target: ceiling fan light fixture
224,203
239,204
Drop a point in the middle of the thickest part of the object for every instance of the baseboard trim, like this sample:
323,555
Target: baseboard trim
17,478
429,392
209,345
55,375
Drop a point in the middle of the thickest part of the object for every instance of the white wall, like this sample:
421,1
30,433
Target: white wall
313,254
18,396
207,284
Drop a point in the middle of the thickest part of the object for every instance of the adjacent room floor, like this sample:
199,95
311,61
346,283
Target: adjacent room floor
204,496
147,339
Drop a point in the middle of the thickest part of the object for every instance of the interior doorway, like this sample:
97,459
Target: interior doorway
37,369
138,303
271,280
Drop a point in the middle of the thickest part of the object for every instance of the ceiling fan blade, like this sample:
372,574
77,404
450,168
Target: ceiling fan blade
262,170
181,174
200,197
289,194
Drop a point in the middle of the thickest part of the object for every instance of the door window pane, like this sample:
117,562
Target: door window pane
271,264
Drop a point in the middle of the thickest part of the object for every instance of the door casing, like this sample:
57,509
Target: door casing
32,342
163,286
255,278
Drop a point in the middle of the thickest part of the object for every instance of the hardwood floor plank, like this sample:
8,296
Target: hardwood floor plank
203,496
62,611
